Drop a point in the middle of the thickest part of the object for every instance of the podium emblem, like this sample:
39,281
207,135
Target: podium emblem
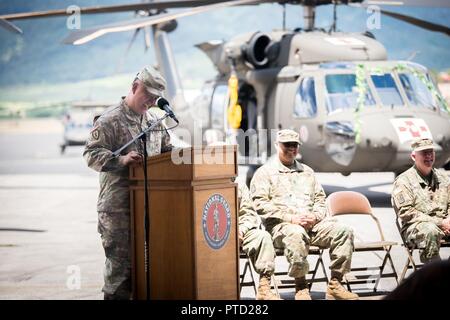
216,221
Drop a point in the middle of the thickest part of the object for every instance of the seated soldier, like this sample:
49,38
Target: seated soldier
291,202
421,199
256,243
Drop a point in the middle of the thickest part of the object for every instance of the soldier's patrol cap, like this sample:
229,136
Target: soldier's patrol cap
152,80
422,144
288,135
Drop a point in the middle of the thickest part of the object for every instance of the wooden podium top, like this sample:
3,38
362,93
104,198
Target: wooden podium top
190,164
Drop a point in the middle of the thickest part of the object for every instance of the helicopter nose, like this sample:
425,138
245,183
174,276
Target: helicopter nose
340,141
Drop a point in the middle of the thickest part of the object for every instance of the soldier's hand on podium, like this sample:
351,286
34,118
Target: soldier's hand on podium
132,158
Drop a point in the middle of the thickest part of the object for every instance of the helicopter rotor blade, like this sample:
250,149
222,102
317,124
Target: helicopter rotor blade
409,19
418,22
10,26
83,36
418,3
172,4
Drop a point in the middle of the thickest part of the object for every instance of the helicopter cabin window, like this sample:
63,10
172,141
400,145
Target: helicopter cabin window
218,106
305,99
417,92
387,89
342,92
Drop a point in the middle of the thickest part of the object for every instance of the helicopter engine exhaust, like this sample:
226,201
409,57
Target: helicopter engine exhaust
255,50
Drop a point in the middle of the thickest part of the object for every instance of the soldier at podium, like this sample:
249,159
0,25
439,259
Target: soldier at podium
114,128
256,243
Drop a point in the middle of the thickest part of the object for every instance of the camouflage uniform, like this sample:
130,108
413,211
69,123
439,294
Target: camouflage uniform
257,243
422,205
115,127
279,193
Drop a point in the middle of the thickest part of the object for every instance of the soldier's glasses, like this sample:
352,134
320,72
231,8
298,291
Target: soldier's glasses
290,144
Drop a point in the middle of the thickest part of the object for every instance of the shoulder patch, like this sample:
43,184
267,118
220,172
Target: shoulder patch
400,198
95,134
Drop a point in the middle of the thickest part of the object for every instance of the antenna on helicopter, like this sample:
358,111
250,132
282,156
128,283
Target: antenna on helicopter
413,55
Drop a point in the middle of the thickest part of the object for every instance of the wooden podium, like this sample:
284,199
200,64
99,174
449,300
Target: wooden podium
193,244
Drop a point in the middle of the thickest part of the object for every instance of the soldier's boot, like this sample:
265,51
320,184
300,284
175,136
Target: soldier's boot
301,289
264,292
335,291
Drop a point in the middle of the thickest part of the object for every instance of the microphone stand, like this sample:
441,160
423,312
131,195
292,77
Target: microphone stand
143,137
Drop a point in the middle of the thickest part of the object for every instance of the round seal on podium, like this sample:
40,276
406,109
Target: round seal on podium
216,221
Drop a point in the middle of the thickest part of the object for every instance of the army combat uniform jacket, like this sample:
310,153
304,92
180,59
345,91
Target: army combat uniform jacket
248,218
415,199
280,192
115,127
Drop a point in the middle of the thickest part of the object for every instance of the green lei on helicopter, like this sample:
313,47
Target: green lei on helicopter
361,85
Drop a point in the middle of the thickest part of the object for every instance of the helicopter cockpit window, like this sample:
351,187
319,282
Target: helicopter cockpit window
417,92
305,99
342,92
218,106
387,89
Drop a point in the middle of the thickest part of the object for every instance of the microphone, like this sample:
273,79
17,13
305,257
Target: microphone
163,104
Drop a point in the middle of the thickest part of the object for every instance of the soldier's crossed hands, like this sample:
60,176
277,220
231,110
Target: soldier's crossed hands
306,220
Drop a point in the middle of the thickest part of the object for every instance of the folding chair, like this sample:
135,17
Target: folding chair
355,203
284,281
248,269
410,248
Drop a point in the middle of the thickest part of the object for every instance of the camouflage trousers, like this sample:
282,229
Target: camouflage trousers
258,246
114,228
328,233
426,236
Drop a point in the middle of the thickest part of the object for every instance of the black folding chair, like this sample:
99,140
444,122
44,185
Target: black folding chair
249,270
410,248
282,279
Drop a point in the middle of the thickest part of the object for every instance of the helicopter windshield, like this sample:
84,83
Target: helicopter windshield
387,89
342,92
417,92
